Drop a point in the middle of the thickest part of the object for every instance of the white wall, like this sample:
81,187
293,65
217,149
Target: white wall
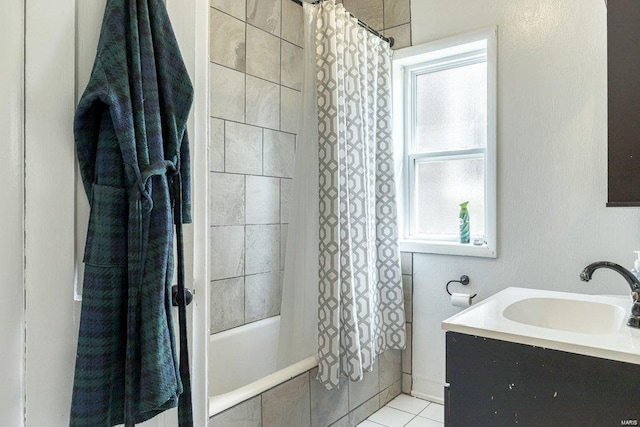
552,163
11,230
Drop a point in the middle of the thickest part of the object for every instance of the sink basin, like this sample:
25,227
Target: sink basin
569,315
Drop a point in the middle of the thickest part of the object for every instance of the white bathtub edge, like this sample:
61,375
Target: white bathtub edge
222,402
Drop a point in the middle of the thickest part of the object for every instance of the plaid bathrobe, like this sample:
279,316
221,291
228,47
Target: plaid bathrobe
131,142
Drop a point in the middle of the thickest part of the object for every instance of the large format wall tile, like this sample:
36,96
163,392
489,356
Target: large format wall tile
327,406
284,229
368,11
361,391
236,8
362,412
226,40
292,61
291,100
227,93
227,199
287,404
292,23
407,353
243,149
227,252
407,289
227,304
263,294
263,54
263,103
390,367
401,35
396,12
263,249
285,200
265,14
216,145
279,153
263,200
246,414
390,393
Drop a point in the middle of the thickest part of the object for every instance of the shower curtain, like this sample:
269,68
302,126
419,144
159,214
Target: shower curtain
345,201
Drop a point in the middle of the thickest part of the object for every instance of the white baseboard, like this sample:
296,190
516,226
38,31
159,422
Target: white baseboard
428,389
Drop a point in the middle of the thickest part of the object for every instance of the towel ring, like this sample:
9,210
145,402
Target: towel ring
464,281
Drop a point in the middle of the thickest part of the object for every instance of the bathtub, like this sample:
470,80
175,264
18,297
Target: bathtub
242,364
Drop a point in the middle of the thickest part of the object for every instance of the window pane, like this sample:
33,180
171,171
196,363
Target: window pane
440,188
451,109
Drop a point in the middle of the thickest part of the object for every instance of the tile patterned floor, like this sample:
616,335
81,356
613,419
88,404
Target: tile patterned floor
407,411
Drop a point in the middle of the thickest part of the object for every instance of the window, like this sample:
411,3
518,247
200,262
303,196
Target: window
445,128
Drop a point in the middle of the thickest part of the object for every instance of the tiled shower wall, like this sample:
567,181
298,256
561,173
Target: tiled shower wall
255,71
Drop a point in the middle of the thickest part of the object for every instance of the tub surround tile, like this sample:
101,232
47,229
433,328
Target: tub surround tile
362,412
263,294
407,289
243,149
290,110
227,199
327,406
396,12
263,249
263,54
287,404
227,304
263,200
401,35
284,229
226,40
263,103
227,93
246,414
406,262
279,153
292,23
390,393
285,200
342,422
407,383
361,391
235,8
406,354
265,14
291,66
227,252
216,145
390,368
369,11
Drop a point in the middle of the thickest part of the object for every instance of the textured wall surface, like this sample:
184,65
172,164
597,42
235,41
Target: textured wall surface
255,80
552,154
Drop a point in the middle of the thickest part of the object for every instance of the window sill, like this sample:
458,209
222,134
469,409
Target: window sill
447,248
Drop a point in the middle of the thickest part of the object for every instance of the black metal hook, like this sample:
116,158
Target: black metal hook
464,281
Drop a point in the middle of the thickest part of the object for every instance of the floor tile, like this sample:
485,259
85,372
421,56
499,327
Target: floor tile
408,404
424,422
367,423
391,417
434,411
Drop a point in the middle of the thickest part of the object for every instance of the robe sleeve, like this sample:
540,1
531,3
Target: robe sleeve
185,173
88,117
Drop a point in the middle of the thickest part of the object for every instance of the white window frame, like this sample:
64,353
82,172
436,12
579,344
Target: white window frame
460,50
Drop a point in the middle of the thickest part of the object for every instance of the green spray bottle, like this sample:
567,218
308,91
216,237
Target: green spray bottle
464,223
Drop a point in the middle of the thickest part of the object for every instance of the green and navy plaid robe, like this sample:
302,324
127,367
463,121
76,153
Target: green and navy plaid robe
131,142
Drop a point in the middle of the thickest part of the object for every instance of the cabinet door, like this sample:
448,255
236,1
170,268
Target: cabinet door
623,30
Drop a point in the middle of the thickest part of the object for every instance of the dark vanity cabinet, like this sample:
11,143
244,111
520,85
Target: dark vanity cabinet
623,44
493,383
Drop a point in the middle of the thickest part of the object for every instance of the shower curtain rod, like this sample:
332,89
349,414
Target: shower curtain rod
364,25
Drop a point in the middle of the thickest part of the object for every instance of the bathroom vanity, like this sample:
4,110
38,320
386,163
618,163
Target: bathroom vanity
541,358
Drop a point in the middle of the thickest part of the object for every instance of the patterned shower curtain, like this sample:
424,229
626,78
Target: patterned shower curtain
361,311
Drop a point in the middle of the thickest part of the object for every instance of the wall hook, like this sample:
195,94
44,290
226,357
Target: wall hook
464,281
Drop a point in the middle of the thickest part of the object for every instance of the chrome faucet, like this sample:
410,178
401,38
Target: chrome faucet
634,284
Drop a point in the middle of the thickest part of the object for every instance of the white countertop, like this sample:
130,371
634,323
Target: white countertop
486,319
